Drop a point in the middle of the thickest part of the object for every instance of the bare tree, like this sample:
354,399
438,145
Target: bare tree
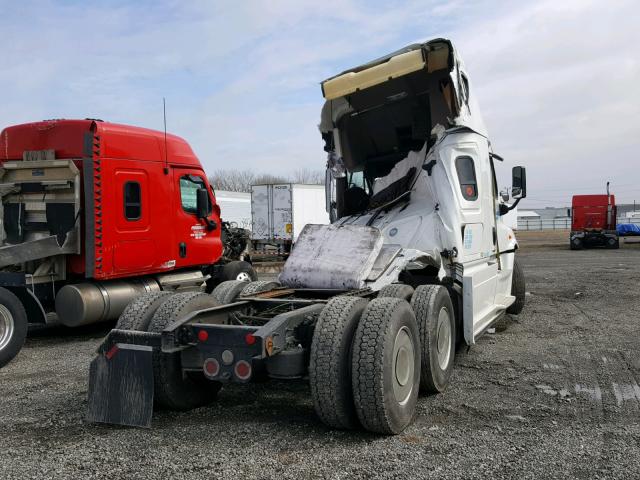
267,178
233,180
308,176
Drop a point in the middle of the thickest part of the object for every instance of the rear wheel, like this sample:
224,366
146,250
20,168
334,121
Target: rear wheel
260,286
517,289
396,290
228,291
138,314
239,270
386,366
330,362
173,388
436,321
613,242
13,326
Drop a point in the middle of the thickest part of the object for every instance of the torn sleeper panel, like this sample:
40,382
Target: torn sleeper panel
332,256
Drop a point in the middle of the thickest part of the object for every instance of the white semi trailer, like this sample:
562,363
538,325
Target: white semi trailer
279,212
417,259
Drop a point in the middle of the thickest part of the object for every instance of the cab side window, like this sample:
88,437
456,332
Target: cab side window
189,186
467,178
132,201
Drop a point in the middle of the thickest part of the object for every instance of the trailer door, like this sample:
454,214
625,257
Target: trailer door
260,212
282,218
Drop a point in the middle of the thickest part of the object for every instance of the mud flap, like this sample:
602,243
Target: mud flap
121,386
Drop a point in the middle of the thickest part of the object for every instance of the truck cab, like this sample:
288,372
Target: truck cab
409,156
93,215
593,221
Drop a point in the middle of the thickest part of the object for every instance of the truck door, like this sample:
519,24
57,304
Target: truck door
478,254
196,244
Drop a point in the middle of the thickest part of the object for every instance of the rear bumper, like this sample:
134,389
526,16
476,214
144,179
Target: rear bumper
593,235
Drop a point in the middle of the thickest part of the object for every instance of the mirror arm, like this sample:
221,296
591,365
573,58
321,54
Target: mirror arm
211,224
504,208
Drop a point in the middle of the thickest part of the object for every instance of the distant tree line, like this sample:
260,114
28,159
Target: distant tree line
233,180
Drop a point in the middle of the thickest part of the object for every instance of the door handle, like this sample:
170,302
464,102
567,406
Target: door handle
183,249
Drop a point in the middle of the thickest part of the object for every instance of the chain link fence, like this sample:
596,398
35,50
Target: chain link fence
561,223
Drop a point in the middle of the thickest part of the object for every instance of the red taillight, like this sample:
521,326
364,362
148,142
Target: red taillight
242,370
211,367
203,335
249,339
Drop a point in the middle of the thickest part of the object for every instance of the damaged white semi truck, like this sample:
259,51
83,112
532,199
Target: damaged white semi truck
370,308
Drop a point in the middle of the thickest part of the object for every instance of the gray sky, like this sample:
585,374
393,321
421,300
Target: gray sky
556,80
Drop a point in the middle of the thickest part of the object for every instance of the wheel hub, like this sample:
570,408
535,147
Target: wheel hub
6,326
403,365
443,340
243,277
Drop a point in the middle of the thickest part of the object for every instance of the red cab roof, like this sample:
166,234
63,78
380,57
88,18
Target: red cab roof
67,138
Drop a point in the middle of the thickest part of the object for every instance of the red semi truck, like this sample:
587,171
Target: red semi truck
593,221
95,214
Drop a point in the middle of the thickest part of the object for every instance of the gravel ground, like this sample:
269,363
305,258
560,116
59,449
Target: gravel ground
552,394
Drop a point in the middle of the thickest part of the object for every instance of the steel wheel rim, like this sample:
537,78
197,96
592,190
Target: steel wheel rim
443,338
243,277
403,365
7,326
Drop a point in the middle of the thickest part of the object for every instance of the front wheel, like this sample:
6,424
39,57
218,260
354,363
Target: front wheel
239,270
517,289
13,326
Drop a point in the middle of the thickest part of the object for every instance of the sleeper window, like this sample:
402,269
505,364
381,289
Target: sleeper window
467,178
132,201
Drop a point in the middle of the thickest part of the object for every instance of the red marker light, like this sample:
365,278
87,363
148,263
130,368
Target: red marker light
249,339
203,335
243,370
211,367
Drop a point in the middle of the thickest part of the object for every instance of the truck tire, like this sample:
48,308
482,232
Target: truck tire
396,290
330,362
138,314
172,389
239,270
575,244
260,286
517,289
437,325
13,326
613,242
228,291
386,366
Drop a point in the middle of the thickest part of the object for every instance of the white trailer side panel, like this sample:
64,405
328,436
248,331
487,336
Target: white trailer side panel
261,212
308,207
282,219
235,207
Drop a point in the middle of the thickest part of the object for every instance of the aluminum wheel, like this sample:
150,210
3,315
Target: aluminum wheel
6,326
403,365
444,338
243,277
